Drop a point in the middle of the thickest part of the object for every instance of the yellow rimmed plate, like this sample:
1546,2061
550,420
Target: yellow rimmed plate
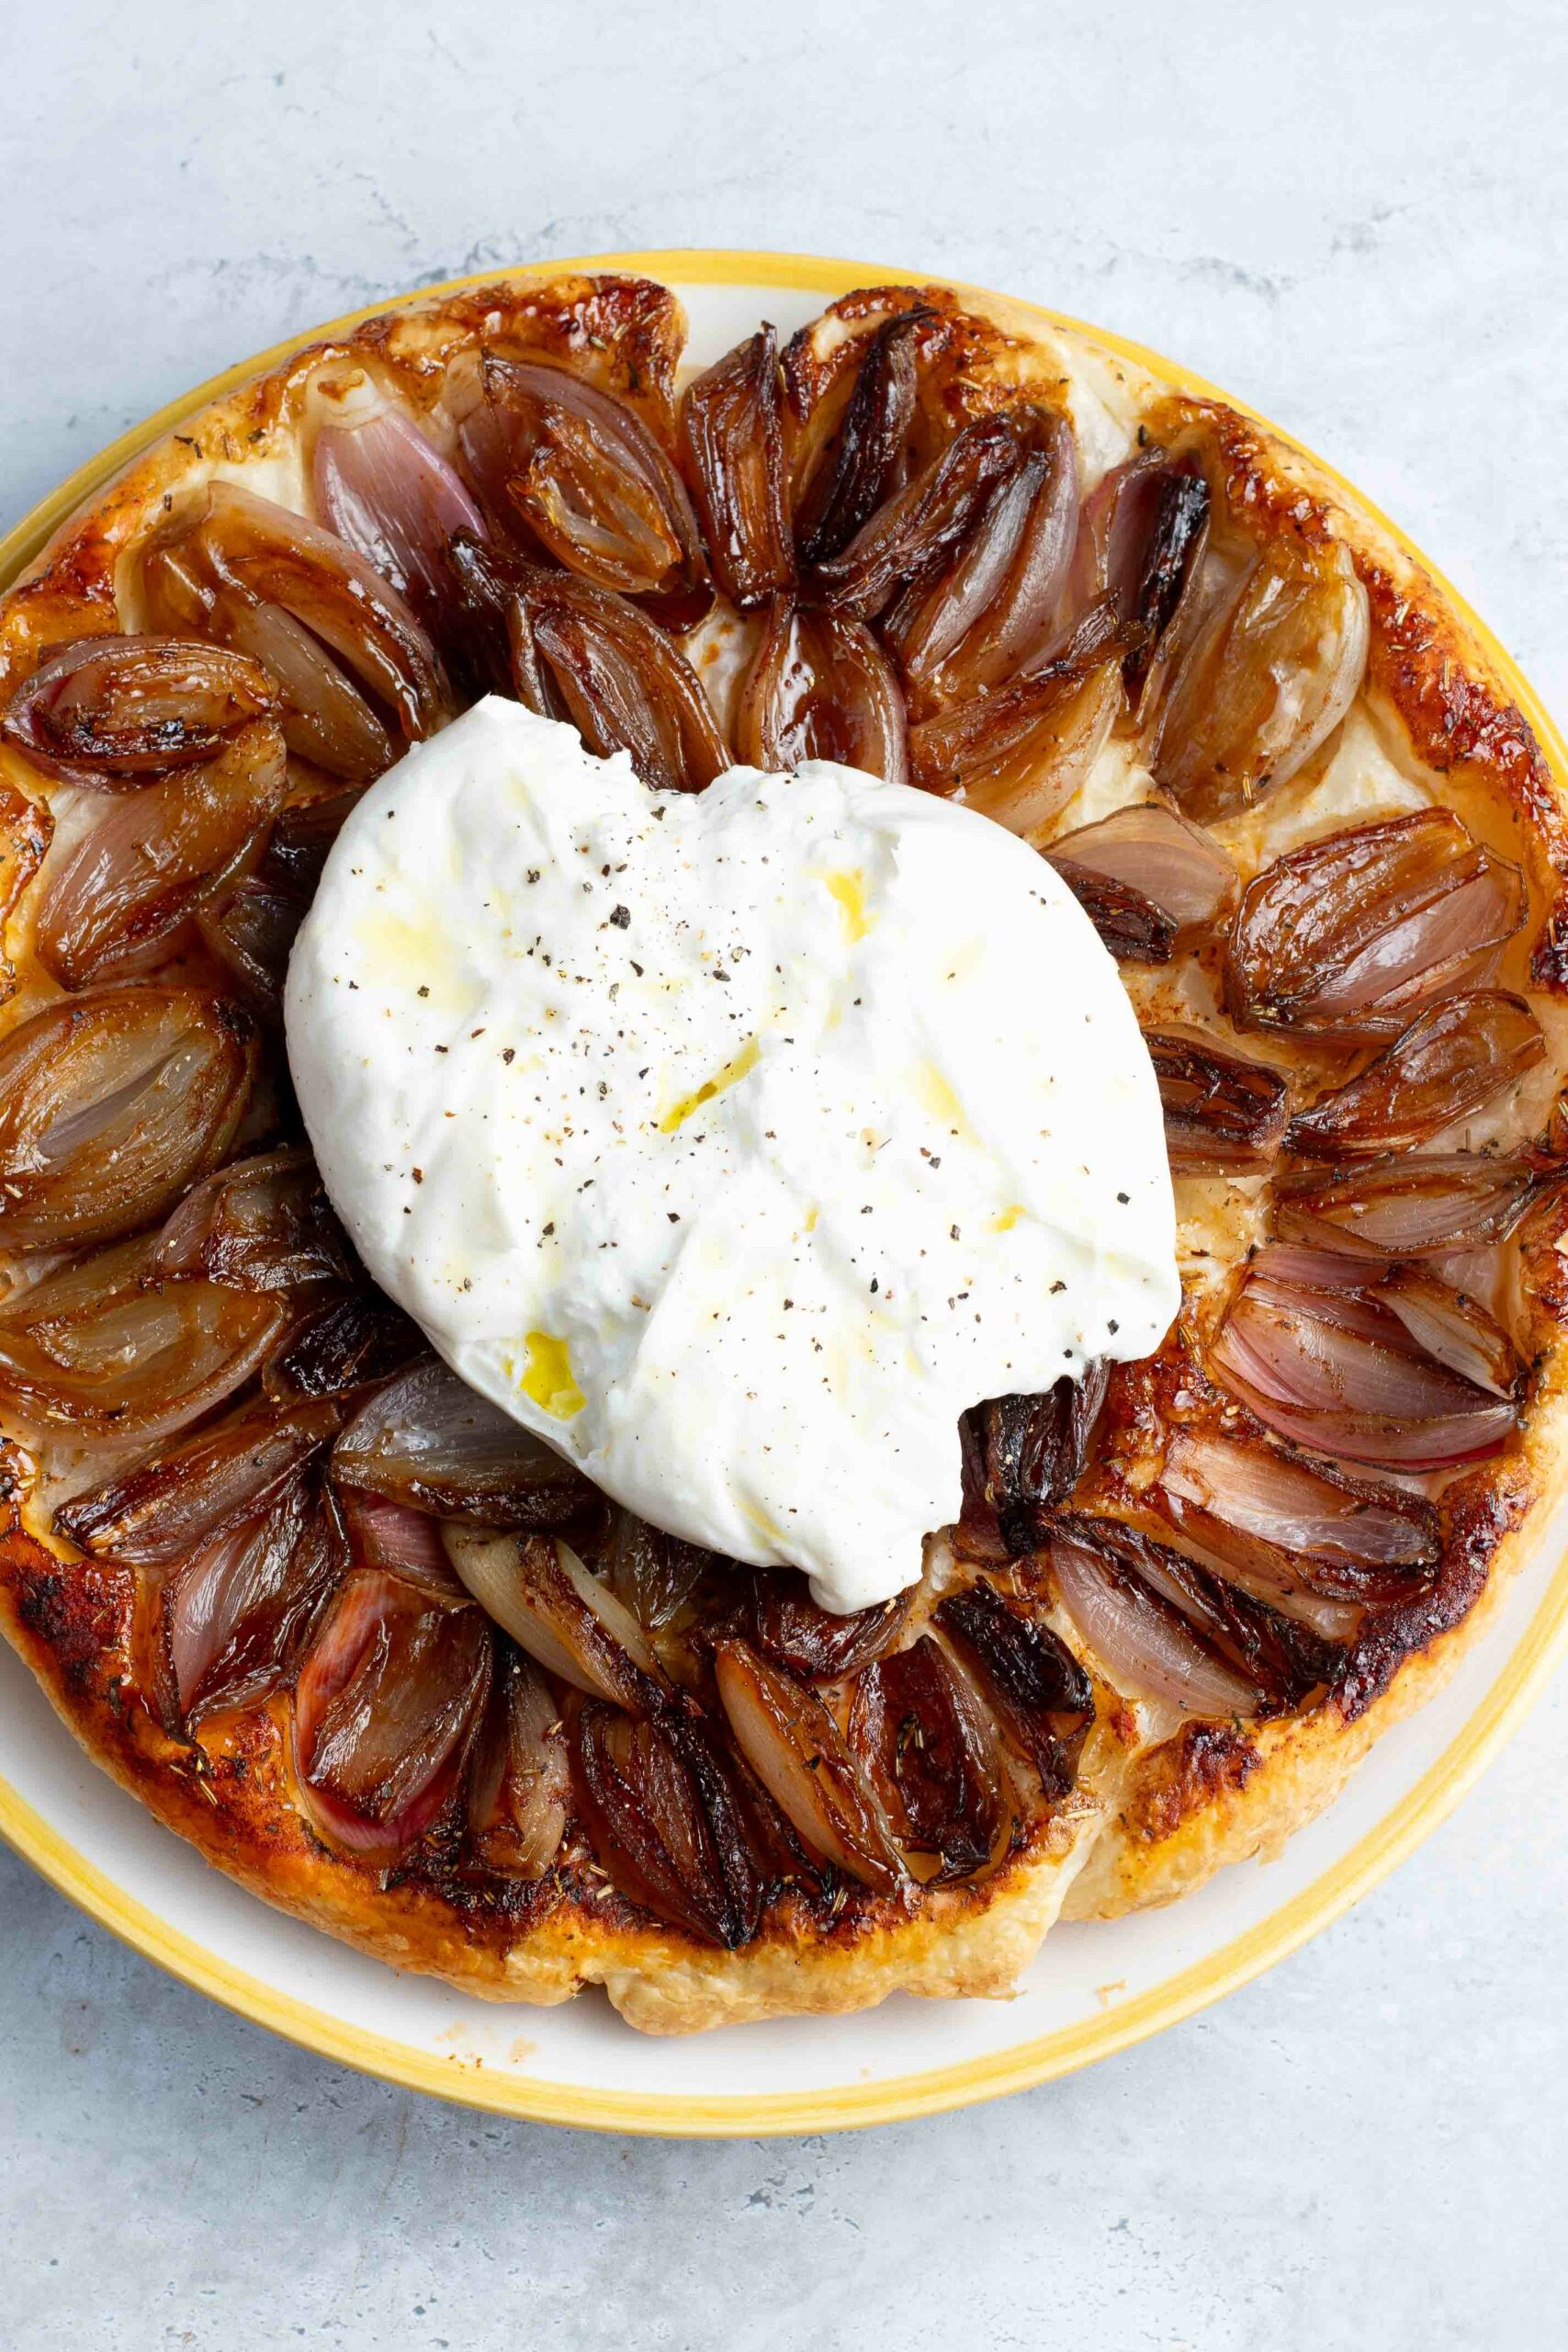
1092,1990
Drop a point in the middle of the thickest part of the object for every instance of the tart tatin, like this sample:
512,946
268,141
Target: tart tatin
384,1656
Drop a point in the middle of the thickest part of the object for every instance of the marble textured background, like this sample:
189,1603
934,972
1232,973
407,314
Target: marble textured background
1351,214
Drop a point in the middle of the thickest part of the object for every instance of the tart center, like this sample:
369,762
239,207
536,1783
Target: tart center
734,1142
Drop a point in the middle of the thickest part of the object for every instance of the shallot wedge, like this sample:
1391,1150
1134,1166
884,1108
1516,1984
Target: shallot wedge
101,1349
250,929
990,613
355,1343
818,1644
585,477
394,499
623,683
1455,1329
1148,881
261,1223
406,1543
820,688
111,1104
799,1753
665,1824
1042,1694
907,542
1021,753
1225,1114
233,1618
931,1753
653,1573
1266,680
732,439
520,1779
1351,935
1035,1448
1290,1532
182,1498
1406,1206
155,857
301,841
1141,542
1168,1628
556,1608
1145,1646
386,1703
109,712
265,553
1321,1355
428,1439
860,466
1454,1057
324,715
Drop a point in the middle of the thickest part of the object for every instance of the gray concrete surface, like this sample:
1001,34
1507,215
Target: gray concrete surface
1352,215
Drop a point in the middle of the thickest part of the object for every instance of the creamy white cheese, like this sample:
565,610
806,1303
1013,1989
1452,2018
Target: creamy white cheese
734,1143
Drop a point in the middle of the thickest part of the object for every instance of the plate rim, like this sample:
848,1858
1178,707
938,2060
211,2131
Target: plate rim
928,2091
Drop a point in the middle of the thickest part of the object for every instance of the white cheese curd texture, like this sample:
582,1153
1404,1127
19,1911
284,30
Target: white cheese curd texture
734,1142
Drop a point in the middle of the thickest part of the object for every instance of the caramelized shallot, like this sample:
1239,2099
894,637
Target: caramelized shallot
665,1824
860,468
387,492
277,557
429,1439
990,613
1266,680
301,840
353,1343
386,1703
732,438
111,1104
1141,542
1021,753
820,688
819,1644
1147,880
933,1755
520,1786
1409,1206
102,1348
1225,1116
250,929
653,1573
1151,1592
556,1608
796,1750
905,542
1320,1354
156,856
383,1534
625,685
1350,935
233,1617
584,476
1035,1448
1146,1646
1454,1057
111,711
164,1508
324,717
261,1223
1044,1698
1288,1530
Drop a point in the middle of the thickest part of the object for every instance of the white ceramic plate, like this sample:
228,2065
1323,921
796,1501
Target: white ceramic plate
1092,1989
